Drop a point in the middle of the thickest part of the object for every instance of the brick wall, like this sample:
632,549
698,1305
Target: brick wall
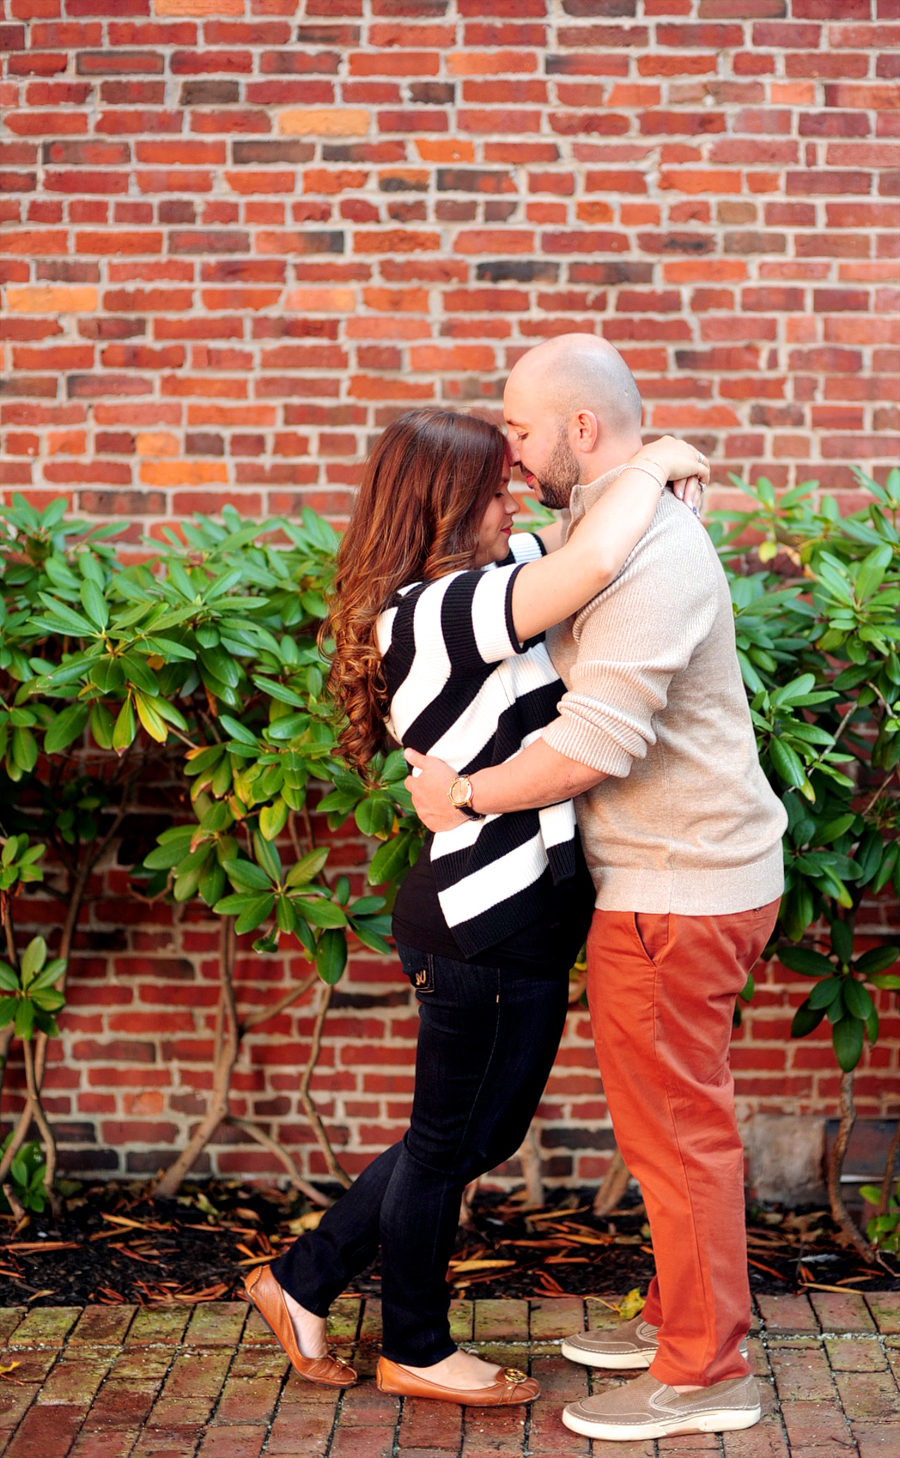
237,235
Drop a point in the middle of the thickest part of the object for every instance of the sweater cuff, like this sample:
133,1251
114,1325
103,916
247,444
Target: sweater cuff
588,745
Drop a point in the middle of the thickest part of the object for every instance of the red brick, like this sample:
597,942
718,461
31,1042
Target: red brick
261,332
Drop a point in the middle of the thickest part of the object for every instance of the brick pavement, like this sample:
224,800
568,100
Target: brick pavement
208,1381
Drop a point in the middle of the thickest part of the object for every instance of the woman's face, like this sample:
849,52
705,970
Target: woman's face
496,524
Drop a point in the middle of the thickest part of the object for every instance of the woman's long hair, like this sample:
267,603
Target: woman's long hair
424,491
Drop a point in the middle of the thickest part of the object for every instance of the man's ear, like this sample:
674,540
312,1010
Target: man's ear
584,431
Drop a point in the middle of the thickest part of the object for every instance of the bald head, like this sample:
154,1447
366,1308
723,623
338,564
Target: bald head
572,413
580,372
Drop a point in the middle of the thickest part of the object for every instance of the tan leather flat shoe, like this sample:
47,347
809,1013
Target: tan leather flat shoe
510,1386
268,1298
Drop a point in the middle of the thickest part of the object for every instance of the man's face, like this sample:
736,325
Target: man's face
538,443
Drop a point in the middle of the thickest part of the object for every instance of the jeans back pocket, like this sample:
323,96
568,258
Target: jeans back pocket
419,968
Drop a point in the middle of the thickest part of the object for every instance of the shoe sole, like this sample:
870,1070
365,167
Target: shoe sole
723,1421
462,1397
614,1361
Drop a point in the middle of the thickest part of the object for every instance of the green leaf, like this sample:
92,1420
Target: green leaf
870,573
267,855
188,878
375,816
331,956
825,992
94,604
370,938
255,914
288,727
842,939
872,1193
307,868
787,763
137,672
212,883
238,731
221,666
171,650
247,875
150,717
47,1000
102,725
107,674
126,727
48,975
66,727
24,1019
857,1000
272,819
280,691
847,1036
71,622
32,960
167,855
24,750
319,912
389,860
887,981
877,960
284,914
805,961
805,1020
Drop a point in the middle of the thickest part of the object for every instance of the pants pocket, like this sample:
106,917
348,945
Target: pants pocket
420,971
652,931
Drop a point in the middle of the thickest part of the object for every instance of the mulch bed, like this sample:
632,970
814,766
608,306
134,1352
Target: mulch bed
113,1244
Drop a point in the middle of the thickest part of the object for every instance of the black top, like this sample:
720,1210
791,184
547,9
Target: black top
546,947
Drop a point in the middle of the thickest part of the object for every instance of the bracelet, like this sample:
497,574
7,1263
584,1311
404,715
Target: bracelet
636,466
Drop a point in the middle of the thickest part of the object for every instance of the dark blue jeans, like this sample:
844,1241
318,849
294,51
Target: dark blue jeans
487,1040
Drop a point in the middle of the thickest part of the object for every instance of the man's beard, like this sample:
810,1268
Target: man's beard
560,475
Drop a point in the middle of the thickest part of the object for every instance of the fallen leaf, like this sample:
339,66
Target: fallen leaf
33,1246
631,1304
770,1270
309,1221
478,1265
209,1293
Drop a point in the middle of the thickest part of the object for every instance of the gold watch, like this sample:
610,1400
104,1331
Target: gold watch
460,796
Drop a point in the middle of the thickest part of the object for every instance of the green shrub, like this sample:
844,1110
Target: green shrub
205,656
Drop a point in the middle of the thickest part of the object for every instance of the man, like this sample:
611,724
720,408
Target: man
683,837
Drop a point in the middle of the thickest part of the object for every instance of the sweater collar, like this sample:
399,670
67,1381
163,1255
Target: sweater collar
584,497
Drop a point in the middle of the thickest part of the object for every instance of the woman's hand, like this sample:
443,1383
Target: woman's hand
676,459
429,791
690,491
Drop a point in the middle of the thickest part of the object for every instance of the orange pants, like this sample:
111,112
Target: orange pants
661,991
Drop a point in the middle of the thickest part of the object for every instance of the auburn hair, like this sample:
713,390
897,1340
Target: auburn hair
425,488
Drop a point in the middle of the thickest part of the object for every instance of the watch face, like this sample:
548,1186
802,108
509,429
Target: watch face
460,791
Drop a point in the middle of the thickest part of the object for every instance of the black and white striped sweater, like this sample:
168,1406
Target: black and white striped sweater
464,688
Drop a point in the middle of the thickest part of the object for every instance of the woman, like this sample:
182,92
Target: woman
437,620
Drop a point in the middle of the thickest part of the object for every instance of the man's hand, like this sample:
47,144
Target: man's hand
429,791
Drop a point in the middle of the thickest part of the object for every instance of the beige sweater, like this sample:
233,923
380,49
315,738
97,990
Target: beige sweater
687,822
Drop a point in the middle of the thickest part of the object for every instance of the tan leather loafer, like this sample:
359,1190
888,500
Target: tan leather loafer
266,1295
509,1387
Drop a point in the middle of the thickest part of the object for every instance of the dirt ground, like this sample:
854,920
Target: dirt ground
112,1244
